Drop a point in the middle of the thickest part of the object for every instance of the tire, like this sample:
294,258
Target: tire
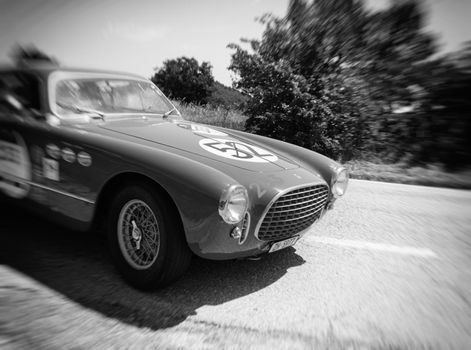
146,238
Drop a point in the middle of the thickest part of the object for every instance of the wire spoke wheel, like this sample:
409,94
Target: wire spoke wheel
138,234
146,237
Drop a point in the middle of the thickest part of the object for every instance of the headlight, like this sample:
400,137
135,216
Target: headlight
340,184
233,204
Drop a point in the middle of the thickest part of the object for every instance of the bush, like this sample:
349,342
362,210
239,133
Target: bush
185,79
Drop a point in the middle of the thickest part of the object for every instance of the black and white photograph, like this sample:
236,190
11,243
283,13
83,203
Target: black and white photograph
217,174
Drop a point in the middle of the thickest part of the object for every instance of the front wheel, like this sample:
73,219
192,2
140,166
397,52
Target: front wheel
146,238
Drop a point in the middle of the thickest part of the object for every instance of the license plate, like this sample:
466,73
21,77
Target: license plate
283,244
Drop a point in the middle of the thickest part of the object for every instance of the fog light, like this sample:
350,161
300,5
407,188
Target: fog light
236,233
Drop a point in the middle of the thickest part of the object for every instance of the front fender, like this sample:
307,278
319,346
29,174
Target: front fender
195,188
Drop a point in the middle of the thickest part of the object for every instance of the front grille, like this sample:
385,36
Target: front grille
293,212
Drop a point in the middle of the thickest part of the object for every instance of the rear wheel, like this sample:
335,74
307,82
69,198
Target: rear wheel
146,238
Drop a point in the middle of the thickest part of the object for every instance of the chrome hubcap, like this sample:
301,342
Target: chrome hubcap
138,234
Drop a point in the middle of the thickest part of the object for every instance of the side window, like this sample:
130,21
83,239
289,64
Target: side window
22,86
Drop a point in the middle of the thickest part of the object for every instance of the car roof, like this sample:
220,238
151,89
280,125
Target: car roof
45,69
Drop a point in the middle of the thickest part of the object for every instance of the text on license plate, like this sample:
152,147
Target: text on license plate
283,244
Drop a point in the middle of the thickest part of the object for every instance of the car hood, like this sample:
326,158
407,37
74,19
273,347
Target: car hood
204,141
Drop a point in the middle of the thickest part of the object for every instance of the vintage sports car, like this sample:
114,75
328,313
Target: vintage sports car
104,151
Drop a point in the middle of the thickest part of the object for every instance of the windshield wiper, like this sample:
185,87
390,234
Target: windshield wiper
166,114
76,108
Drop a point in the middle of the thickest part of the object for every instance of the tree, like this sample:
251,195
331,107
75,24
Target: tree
325,74
437,128
226,97
447,124
185,79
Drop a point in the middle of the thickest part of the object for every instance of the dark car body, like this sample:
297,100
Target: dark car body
68,169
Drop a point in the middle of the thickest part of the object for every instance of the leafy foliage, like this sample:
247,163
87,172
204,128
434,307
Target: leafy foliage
446,124
185,79
333,76
226,97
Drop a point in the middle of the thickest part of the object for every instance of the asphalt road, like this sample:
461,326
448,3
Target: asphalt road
389,268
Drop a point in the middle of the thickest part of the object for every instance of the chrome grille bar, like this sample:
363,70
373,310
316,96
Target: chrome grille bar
297,198
302,214
321,200
293,212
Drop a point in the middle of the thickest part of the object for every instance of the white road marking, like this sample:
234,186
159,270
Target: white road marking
389,248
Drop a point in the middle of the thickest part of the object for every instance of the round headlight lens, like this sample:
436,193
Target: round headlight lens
233,204
341,183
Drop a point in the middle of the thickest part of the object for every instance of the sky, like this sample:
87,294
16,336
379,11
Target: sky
138,36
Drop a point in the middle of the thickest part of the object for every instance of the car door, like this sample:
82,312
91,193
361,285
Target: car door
49,163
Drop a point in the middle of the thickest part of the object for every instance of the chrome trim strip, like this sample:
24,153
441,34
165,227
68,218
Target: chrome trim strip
82,199
12,180
276,197
20,181
247,230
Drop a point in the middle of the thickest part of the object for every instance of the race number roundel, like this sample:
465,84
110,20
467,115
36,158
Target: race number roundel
237,150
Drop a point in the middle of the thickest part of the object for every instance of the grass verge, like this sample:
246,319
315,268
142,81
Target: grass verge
430,175
217,116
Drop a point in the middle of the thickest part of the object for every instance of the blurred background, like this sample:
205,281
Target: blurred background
381,86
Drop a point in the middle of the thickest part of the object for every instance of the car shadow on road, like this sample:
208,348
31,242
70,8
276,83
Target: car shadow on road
77,266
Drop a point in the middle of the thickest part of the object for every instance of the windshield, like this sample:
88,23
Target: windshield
110,96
